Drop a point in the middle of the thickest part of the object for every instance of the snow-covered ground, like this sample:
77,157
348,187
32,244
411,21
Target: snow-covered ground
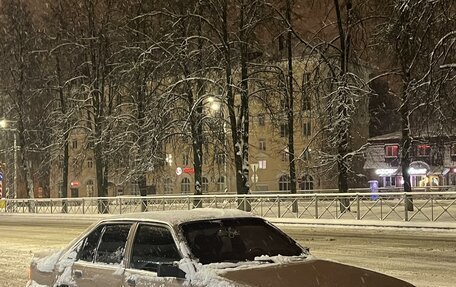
425,257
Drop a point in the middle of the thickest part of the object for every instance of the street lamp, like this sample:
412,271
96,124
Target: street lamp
4,125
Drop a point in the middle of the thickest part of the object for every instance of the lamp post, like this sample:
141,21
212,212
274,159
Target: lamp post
4,125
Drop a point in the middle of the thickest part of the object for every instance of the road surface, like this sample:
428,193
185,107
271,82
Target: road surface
426,258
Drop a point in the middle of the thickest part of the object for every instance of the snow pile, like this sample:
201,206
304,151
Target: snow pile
202,275
47,263
34,284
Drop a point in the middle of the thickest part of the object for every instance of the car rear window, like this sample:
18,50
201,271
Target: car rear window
236,239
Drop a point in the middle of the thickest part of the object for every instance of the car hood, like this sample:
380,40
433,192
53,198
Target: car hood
311,273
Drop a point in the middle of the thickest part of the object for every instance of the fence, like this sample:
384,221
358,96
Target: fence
427,206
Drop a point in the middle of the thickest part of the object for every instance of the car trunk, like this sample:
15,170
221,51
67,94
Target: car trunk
312,273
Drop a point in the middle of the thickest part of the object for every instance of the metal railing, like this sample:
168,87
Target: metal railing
391,206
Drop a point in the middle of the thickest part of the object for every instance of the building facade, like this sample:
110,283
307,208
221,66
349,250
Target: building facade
433,161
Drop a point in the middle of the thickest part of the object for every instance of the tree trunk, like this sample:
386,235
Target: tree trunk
290,108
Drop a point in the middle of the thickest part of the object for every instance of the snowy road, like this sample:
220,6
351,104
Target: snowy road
426,258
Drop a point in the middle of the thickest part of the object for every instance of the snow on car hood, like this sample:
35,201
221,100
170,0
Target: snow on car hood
214,274
309,273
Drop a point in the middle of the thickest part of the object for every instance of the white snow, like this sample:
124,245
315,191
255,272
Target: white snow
46,264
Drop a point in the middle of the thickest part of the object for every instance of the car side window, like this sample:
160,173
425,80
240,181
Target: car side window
90,244
105,244
111,248
153,245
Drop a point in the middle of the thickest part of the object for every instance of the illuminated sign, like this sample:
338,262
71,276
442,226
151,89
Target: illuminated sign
385,171
74,184
179,171
189,170
417,171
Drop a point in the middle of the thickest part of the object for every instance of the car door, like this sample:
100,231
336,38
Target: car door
100,260
152,245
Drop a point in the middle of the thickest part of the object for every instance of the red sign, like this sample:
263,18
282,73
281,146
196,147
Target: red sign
74,184
189,170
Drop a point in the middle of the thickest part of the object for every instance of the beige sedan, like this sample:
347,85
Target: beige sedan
200,247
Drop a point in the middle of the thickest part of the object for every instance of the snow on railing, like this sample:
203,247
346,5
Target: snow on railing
385,205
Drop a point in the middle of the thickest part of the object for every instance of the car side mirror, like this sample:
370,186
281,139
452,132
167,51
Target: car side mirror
169,270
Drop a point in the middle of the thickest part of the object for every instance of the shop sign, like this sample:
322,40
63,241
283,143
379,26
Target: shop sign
385,171
74,184
417,171
189,170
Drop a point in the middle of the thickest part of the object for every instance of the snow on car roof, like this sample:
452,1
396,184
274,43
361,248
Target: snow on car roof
175,217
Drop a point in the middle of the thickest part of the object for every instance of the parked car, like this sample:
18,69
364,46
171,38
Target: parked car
200,247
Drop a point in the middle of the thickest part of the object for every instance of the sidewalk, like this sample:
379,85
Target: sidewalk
366,223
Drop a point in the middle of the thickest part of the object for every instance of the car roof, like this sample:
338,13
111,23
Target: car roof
176,217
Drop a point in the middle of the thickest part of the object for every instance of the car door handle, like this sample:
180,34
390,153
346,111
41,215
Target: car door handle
77,273
131,282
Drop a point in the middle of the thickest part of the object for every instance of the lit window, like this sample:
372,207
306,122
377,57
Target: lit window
391,150
262,144
283,130
169,159
423,150
262,164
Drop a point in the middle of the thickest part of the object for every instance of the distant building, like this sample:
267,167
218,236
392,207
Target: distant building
433,161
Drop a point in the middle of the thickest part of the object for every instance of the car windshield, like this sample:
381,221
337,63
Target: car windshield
236,239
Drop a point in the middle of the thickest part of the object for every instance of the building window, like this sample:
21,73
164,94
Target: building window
185,159
89,162
262,164
283,130
60,161
168,185
453,149
281,42
89,187
284,105
185,185
306,103
306,154
307,129
169,159
423,150
284,155
284,182
307,182
204,185
391,151
74,144
221,184
261,120
220,158
74,192
262,144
